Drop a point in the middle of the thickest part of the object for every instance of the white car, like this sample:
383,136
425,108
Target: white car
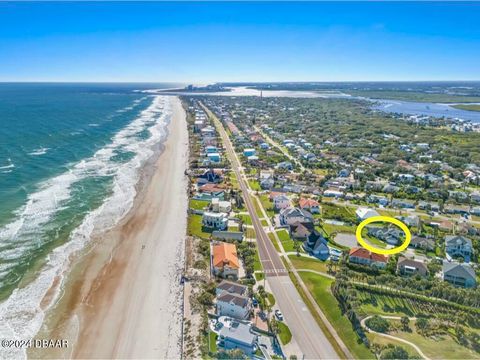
279,315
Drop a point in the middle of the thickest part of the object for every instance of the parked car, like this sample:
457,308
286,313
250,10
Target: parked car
279,315
254,302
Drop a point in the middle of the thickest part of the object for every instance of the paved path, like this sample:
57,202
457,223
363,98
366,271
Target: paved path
310,338
394,337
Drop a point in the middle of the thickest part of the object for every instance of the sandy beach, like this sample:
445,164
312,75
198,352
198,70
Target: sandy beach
123,298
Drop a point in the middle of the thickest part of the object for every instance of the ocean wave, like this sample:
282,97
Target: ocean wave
10,165
21,315
39,151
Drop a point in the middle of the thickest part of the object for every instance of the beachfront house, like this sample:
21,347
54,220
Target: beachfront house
210,191
214,157
236,334
233,305
411,267
456,245
225,261
209,176
362,256
221,206
231,287
215,220
458,274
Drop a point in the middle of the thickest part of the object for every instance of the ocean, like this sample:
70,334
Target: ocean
70,158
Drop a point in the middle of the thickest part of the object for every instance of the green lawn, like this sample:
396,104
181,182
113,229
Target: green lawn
234,181
283,235
257,265
267,204
274,241
233,228
467,107
288,243
264,222
198,204
259,276
258,209
301,262
319,287
195,227
247,220
330,228
271,299
254,185
284,333
212,345
337,212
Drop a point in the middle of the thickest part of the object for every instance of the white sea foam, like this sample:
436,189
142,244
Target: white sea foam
20,315
39,151
10,165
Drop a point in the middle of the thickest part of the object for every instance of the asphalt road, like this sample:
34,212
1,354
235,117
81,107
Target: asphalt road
306,332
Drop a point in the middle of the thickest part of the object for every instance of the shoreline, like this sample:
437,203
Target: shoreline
123,296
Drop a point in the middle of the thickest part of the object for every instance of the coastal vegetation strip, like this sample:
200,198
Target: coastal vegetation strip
475,107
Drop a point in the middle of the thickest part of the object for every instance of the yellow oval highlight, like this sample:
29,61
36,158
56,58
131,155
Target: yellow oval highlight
395,250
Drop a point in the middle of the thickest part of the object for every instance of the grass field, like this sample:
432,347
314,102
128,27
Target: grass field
259,276
198,204
287,243
267,204
274,241
319,287
254,185
467,107
284,333
330,228
247,220
212,345
301,262
195,227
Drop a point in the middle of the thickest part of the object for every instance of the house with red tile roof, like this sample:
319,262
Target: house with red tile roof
225,260
310,205
364,257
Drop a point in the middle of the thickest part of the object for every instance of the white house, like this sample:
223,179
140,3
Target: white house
233,305
237,335
281,201
365,213
221,206
215,220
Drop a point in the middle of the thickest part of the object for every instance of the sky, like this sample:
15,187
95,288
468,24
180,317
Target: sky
197,42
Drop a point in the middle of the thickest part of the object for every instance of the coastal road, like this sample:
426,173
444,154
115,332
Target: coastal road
310,338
